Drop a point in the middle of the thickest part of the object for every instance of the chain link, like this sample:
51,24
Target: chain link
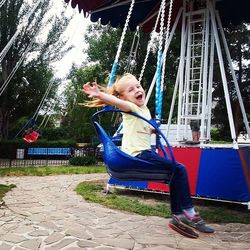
152,37
166,40
124,31
163,6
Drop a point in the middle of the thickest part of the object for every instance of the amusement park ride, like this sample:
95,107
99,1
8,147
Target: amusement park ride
220,172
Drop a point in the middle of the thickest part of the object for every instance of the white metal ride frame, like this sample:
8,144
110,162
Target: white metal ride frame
199,39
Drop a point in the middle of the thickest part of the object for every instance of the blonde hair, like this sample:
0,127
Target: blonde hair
116,89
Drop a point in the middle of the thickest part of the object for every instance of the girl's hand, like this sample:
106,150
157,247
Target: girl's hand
91,89
153,131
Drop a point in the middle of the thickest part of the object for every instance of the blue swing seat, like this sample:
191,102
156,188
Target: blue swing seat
122,166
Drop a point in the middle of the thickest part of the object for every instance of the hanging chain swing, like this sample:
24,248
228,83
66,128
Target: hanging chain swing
31,133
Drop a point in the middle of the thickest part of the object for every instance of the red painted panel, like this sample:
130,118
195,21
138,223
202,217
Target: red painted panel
155,186
190,157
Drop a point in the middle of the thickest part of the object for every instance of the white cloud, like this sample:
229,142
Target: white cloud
75,33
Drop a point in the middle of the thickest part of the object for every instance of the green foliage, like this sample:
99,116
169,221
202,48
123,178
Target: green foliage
39,143
83,160
107,42
55,134
238,42
30,96
78,118
219,136
215,134
21,99
103,42
4,189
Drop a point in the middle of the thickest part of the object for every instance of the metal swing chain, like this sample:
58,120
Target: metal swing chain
162,23
158,93
152,36
166,40
161,63
35,116
131,62
14,37
17,65
2,3
124,31
113,71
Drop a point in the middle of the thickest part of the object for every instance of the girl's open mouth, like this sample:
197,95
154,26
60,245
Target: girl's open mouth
139,97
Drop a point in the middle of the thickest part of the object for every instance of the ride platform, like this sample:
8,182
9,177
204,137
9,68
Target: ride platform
217,172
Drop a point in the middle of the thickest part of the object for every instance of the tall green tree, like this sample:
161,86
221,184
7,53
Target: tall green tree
78,117
103,43
238,39
43,33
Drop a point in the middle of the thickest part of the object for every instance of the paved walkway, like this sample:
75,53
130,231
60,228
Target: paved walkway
46,213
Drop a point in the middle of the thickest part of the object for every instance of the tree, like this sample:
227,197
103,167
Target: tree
18,99
238,38
78,117
103,44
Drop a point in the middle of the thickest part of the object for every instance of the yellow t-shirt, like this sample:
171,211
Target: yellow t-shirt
136,132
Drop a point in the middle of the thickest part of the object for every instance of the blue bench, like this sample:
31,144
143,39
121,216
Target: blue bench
49,151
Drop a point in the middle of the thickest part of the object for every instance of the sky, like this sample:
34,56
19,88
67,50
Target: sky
75,32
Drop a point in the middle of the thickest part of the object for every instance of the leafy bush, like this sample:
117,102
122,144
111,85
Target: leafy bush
83,160
52,144
215,134
218,135
39,143
54,134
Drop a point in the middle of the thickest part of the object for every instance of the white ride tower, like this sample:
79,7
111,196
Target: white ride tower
202,36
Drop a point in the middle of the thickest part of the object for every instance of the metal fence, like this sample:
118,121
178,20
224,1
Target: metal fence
5,163
47,156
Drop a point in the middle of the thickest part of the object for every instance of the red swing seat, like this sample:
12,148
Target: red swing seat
31,137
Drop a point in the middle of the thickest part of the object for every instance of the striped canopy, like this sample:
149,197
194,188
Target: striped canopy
145,11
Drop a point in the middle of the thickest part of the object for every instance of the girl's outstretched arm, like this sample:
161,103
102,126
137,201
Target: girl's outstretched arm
93,91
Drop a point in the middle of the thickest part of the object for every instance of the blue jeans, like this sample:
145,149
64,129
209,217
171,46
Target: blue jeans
179,188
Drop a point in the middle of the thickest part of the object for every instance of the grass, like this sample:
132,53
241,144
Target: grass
150,204
94,192
4,189
54,170
220,142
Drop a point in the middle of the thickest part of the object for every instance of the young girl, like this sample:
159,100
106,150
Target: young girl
128,95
